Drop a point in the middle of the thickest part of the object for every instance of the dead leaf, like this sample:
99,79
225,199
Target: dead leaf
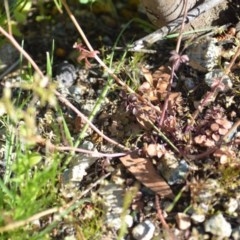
147,75
145,173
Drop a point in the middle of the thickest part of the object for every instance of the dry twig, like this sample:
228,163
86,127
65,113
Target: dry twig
176,59
60,97
173,26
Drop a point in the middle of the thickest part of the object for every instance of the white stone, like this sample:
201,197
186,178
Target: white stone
172,169
183,221
198,218
143,231
232,205
128,220
217,225
236,233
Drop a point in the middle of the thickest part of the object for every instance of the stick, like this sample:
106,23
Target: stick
174,25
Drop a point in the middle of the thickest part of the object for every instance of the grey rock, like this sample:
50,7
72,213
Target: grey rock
198,218
172,169
144,230
66,74
112,195
189,83
204,55
217,225
79,165
8,55
217,74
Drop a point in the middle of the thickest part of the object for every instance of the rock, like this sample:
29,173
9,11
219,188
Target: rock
112,196
217,225
143,231
207,194
217,74
183,221
71,237
65,74
231,205
198,218
172,169
236,233
80,163
189,83
204,55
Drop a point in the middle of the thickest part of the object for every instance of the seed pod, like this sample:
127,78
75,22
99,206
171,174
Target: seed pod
161,12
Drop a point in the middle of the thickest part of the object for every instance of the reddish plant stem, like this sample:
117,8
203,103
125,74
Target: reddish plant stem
91,153
60,97
174,64
102,64
85,119
162,219
213,93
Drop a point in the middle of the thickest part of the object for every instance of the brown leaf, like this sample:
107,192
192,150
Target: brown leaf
147,75
145,173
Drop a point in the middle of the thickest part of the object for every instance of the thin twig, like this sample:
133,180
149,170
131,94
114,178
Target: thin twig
164,137
182,27
21,223
85,119
211,95
85,151
165,226
102,64
61,210
22,51
60,97
174,25
174,67
6,5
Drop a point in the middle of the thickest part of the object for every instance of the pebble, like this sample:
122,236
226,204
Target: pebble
198,218
112,196
207,194
143,231
183,221
79,165
65,74
173,170
217,74
189,83
231,205
204,55
217,225
236,233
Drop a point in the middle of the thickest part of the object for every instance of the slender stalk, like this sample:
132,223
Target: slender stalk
102,64
60,97
174,66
